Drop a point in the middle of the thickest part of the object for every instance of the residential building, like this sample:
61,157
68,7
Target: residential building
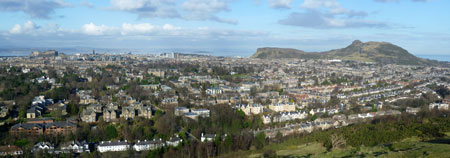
279,107
75,146
252,109
207,137
439,106
174,141
107,146
145,112
214,91
43,146
27,129
412,110
110,115
179,111
201,112
10,150
88,116
128,113
148,145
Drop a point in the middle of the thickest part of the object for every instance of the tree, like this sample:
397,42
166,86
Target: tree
337,141
260,140
111,132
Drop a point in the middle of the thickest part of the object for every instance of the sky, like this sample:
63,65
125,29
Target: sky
225,27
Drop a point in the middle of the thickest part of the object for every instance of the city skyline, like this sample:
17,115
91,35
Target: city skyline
225,26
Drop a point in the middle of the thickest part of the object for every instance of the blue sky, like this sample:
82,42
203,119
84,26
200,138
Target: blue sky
225,27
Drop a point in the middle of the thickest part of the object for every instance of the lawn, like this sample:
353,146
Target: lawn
410,147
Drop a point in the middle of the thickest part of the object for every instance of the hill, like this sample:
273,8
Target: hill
380,52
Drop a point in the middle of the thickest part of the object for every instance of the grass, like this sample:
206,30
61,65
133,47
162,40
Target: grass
410,147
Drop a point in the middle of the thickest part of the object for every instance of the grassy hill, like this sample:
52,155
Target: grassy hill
405,136
410,147
380,52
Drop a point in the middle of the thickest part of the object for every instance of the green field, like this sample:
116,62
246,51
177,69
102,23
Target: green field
410,147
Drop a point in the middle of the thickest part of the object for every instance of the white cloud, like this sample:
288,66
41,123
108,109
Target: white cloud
170,27
127,29
92,29
143,28
280,4
28,27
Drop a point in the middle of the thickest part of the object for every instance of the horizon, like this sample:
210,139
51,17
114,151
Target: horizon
224,27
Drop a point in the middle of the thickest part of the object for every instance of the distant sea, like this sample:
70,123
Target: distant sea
243,52
436,57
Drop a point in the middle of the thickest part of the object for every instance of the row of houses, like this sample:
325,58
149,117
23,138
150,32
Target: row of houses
284,116
323,123
68,147
112,112
112,146
250,109
103,146
50,128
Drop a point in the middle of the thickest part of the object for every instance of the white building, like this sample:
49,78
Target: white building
214,91
266,119
201,112
412,110
207,137
75,146
106,146
191,115
43,146
366,115
286,116
174,141
439,106
148,145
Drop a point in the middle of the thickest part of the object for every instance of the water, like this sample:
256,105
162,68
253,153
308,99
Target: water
436,57
245,52
71,51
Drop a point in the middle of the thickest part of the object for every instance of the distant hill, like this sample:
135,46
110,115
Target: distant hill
380,52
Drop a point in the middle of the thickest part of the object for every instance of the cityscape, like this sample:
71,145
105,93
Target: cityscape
172,91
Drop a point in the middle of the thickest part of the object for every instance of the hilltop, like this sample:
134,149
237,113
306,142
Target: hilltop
380,52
